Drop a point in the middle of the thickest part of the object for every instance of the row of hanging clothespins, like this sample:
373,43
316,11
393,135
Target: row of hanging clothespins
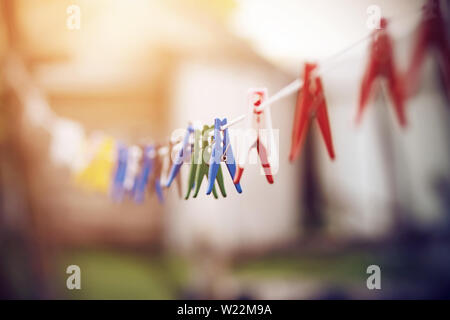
105,165
130,172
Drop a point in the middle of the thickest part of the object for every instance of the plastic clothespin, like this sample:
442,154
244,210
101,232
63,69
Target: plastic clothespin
432,34
310,102
381,64
177,177
134,157
195,161
203,169
96,175
104,165
164,153
119,175
141,181
154,183
259,121
221,151
182,155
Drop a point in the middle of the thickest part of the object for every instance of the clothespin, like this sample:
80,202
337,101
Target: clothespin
120,171
67,139
154,183
182,155
381,64
141,181
133,161
103,165
432,34
196,155
310,103
165,153
260,121
96,175
88,151
221,151
202,169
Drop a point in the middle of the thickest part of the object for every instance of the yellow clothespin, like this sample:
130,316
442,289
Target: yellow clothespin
96,175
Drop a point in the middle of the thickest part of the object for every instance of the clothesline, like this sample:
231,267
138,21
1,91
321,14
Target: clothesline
297,84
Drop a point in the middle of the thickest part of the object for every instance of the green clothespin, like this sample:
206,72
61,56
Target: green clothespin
195,160
203,169
219,177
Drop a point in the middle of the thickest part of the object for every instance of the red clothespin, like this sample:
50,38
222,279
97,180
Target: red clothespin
432,34
310,102
259,122
381,64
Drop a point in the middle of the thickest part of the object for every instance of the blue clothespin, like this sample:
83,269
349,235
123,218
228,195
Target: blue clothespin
182,154
154,179
221,151
117,191
159,190
143,177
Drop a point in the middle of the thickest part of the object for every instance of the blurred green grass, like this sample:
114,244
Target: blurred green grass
335,269
125,275
117,275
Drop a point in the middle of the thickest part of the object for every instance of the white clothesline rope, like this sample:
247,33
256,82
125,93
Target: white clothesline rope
295,85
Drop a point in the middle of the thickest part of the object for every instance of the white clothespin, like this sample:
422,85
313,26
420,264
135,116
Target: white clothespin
67,141
259,134
134,157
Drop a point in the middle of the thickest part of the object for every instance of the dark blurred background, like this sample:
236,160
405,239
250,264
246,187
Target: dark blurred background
137,70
